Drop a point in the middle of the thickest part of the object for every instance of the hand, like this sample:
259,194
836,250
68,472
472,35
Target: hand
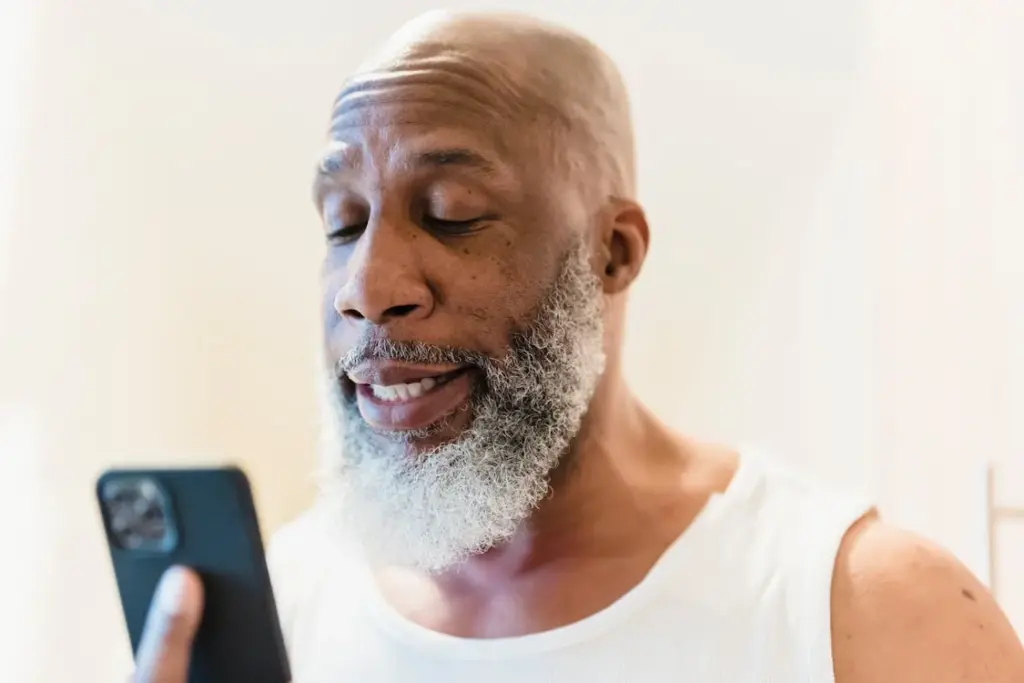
174,616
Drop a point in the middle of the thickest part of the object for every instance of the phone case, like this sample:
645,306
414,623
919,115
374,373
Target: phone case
210,526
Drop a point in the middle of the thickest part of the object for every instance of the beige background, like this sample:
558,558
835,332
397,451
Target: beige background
834,189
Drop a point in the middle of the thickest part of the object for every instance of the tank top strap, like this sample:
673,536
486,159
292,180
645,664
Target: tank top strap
825,524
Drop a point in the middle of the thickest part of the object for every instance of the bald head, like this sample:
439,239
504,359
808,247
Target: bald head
499,129
543,87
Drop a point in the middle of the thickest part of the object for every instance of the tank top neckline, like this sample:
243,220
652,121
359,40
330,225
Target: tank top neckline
682,553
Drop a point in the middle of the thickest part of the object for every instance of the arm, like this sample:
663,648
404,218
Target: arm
904,609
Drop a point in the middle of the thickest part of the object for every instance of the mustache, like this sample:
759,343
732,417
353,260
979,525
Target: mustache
384,349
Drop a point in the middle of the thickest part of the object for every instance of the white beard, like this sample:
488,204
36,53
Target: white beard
432,510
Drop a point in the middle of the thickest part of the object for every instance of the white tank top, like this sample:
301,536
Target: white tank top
743,595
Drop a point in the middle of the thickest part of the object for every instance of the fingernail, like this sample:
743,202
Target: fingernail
170,590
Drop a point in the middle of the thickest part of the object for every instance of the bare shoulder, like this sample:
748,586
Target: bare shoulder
904,609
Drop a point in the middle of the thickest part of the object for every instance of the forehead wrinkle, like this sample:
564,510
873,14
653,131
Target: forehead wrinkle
490,83
447,68
424,149
423,90
506,142
390,109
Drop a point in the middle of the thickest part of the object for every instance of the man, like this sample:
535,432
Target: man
503,508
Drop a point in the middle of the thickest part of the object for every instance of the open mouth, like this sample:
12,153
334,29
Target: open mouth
394,399
406,391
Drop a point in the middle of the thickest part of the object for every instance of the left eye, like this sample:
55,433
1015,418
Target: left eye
452,227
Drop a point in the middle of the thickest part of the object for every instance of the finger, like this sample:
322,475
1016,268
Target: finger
174,616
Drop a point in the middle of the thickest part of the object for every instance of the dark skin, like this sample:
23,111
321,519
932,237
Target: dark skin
449,241
445,225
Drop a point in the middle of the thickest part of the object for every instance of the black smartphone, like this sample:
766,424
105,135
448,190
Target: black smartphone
204,519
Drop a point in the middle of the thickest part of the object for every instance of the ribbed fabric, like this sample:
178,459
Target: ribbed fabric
743,595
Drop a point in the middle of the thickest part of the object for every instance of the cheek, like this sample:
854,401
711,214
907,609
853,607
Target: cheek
494,295
480,291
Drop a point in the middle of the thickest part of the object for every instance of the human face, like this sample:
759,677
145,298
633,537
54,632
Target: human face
441,229
463,324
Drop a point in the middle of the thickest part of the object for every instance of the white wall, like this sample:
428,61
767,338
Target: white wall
833,192
25,552
948,306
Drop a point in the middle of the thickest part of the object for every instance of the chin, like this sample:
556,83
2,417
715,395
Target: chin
420,442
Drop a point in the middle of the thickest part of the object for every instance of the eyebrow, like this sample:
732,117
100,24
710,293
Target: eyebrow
455,157
333,161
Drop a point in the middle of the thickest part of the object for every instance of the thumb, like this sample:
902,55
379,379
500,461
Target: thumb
174,616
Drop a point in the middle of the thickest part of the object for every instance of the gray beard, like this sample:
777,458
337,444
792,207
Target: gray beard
431,510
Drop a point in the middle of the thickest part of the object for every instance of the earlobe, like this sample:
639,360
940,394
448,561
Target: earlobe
625,245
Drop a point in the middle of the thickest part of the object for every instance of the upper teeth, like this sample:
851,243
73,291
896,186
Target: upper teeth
403,392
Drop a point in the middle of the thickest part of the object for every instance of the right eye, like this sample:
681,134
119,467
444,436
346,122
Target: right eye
345,234
344,217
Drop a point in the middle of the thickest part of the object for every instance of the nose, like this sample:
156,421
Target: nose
385,281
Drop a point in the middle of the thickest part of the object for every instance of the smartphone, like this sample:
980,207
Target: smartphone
204,519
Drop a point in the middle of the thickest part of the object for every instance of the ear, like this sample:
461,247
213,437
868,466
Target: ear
624,242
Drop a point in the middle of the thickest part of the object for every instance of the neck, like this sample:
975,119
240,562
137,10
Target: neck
594,508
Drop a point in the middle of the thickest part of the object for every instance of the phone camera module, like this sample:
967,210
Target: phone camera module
138,515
